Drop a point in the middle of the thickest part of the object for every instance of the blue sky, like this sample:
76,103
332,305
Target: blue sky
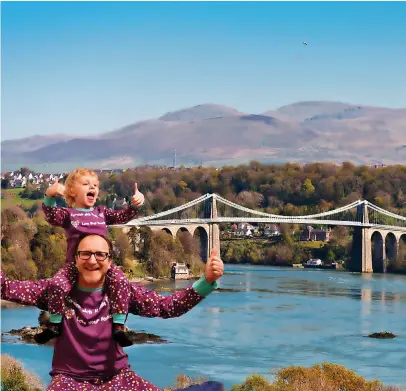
88,67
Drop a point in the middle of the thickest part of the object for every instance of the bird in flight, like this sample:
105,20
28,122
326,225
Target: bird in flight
305,43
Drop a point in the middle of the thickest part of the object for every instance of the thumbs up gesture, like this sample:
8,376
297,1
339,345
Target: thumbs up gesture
214,267
55,189
138,198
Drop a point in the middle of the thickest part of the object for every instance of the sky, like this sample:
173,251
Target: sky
82,68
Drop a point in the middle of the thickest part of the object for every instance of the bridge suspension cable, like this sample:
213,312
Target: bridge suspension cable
199,211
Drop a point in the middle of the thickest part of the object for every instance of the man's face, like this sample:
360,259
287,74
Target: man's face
92,268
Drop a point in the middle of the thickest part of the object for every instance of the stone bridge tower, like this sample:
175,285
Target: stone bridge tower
210,212
361,259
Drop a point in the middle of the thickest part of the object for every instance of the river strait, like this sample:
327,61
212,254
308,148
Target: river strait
265,318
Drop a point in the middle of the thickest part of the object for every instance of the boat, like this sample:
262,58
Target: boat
316,263
180,271
313,263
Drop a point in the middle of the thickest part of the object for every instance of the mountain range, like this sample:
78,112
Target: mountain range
217,135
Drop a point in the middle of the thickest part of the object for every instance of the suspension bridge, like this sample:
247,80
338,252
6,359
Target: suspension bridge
376,234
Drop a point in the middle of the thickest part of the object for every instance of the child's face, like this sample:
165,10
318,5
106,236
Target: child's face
85,191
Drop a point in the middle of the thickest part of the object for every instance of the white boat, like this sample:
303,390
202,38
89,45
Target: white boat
313,263
179,271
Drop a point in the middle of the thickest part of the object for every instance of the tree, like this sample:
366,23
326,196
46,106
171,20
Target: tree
124,247
308,188
330,257
286,234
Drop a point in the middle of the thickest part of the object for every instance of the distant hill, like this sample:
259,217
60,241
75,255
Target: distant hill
217,135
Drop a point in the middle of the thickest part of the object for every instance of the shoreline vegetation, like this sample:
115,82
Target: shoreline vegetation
32,249
324,377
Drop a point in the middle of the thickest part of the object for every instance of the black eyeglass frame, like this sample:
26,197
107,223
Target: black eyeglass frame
102,255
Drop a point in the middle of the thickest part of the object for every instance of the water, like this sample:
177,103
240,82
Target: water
277,317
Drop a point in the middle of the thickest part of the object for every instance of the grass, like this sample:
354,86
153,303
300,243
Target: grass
315,244
12,197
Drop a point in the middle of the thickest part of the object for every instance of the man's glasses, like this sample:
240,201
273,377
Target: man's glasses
86,255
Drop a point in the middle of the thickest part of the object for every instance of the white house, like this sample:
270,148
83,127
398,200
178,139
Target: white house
272,230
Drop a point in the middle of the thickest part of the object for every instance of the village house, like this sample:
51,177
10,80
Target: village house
244,229
272,230
119,204
313,234
16,179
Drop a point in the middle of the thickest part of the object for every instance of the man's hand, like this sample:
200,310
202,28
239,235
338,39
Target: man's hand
214,267
138,198
55,189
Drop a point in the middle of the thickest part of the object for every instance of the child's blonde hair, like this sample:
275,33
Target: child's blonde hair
71,179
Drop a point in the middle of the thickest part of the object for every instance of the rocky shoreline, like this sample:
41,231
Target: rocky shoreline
26,335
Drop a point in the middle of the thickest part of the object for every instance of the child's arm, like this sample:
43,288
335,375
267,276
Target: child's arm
124,216
53,214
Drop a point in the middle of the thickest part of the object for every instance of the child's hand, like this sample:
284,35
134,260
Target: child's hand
138,198
55,189
214,267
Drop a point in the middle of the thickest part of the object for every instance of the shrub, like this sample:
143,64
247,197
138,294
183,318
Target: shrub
325,377
183,381
14,377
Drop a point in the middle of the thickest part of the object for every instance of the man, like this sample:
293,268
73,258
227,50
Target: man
86,358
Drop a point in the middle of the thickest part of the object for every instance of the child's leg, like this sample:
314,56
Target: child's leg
60,286
118,288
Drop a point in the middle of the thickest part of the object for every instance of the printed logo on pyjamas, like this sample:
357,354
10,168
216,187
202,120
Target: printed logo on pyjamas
86,214
87,323
70,313
87,310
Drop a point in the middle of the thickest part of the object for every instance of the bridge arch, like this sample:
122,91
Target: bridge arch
391,249
167,231
186,239
402,251
201,236
378,252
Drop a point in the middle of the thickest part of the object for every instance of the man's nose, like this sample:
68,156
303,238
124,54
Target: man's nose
92,260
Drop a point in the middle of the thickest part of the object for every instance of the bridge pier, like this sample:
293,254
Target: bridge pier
214,229
361,257
214,239
361,260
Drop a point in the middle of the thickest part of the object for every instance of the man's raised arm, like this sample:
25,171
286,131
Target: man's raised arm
24,292
151,304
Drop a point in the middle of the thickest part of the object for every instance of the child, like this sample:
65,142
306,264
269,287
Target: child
81,191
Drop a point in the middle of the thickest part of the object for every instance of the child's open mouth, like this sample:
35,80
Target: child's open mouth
91,196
